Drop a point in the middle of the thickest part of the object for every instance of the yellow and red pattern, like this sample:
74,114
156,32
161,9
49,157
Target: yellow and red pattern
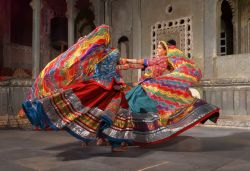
72,66
80,108
170,89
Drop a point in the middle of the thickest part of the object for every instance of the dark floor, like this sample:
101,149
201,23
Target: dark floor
199,149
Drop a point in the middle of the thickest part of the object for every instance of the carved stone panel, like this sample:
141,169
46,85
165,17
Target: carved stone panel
179,29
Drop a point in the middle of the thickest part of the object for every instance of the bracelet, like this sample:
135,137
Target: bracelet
145,62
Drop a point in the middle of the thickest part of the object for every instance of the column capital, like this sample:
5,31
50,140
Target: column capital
33,3
70,3
107,17
71,9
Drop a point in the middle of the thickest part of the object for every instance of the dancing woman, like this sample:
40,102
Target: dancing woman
162,104
82,92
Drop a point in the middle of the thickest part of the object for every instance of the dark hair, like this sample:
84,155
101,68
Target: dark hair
171,42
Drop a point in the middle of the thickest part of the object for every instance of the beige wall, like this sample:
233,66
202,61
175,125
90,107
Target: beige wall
152,12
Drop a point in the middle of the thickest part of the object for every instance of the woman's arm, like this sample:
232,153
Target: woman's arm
135,61
129,66
131,61
146,62
156,61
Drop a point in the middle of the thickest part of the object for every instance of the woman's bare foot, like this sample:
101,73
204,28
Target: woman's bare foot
101,141
122,148
124,145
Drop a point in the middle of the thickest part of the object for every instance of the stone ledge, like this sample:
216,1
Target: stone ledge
225,82
12,121
230,121
4,83
21,82
17,82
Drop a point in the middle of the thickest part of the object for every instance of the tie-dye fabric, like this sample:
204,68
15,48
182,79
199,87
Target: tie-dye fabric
171,90
88,108
74,65
105,71
176,109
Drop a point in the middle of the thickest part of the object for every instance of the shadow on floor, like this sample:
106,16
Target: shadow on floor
234,142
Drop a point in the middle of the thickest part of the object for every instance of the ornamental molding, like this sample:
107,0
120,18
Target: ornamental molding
179,29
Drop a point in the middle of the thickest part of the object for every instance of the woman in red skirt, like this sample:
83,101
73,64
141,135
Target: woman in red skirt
81,91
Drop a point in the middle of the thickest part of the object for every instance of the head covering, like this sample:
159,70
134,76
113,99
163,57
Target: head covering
165,45
72,66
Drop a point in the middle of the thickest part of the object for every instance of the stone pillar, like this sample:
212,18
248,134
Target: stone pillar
107,15
210,37
71,19
6,16
98,6
36,6
236,26
136,34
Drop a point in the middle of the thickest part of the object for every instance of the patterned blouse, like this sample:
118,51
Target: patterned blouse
155,67
106,72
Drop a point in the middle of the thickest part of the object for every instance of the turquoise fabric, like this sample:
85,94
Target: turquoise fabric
139,102
34,113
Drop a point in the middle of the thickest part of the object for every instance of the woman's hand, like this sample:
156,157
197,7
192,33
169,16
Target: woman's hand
129,66
122,67
123,61
135,83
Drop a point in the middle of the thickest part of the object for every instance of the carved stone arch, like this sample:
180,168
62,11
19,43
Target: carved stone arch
123,46
234,9
232,4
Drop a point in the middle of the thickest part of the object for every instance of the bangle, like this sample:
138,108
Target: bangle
145,62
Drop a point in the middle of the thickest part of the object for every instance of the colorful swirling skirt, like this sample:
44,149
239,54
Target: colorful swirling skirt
82,110
148,125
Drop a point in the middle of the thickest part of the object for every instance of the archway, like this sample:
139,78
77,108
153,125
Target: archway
84,21
226,40
123,46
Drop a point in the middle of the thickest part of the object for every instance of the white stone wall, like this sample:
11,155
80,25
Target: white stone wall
121,20
232,67
244,11
232,96
124,21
